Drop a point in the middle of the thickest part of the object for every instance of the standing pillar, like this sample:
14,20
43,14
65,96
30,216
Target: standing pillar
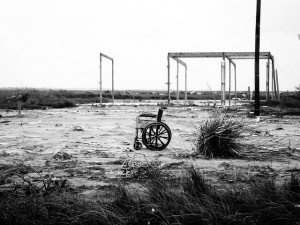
185,97
229,83
223,76
267,79
235,95
249,94
177,95
273,79
278,93
272,83
100,79
19,107
169,94
113,89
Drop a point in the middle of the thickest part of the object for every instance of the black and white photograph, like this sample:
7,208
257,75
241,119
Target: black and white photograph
139,112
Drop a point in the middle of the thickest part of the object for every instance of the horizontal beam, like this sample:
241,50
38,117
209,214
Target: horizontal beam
101,54
247,57
232,55
194,54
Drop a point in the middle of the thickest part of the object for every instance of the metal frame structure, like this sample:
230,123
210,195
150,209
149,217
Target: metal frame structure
112,72
177,93
230,56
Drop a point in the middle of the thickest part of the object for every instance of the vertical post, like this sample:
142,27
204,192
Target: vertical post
112,71
249,94
19,107
278,93
274,91
100,79
272,82
229,83
257,43
235,96
112,89
224,93
169,94
177,94
223,97
267,79
185,97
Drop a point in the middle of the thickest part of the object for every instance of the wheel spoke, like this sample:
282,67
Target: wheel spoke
150,139
164,132
164,137
161,127
161,141
150,132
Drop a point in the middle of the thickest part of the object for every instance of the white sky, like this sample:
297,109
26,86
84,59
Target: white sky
56,43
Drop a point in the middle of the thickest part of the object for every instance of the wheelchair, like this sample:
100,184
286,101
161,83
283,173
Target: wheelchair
151,132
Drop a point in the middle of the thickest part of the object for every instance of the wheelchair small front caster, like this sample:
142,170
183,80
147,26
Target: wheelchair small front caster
137,145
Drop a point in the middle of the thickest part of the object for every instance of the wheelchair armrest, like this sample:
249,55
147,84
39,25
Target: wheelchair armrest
148,115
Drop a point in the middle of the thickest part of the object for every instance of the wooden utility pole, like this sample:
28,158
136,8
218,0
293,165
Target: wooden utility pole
257,42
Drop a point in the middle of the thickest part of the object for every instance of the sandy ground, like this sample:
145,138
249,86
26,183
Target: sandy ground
88,145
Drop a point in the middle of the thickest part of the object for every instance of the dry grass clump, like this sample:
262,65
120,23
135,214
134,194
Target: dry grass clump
217,137
196,201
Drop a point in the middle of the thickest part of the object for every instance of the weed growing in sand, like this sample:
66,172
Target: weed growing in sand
49,200
196,201
217,137
134,167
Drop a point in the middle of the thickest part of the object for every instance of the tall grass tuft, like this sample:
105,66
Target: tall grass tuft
217,137
56,208
194,183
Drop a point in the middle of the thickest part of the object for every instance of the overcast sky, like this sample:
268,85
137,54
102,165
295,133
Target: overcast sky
56,43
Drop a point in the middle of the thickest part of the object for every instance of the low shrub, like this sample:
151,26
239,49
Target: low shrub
217,137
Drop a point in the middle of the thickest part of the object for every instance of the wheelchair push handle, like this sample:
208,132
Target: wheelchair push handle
159,114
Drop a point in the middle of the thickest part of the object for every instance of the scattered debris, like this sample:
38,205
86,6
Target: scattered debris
62,156
250,115
5,121
78,128
3,153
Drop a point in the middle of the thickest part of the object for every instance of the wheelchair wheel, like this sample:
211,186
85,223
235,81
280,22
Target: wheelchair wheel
156,136
137,145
